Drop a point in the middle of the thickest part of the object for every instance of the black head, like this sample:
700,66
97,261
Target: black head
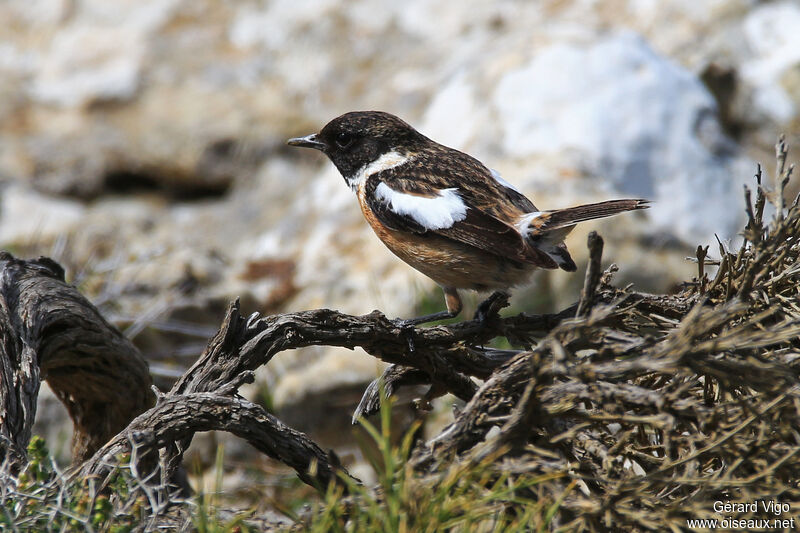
358,138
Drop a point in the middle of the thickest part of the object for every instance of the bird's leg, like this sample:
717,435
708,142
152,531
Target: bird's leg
491,306
451,299
454,305
405,323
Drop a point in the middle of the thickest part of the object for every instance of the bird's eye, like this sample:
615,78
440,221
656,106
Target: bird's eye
344,139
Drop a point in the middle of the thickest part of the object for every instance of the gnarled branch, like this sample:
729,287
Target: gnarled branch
178,417
48,327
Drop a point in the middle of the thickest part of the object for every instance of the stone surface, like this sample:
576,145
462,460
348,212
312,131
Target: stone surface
638,122
771,33
90,64
26,215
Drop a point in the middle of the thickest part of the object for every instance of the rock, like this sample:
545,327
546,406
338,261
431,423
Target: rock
638,121
771,33
90,64
144,17
27,216
455,117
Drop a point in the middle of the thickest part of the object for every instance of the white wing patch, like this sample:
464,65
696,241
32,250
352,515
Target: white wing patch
525,221
499,179
438,212
384,162
547,240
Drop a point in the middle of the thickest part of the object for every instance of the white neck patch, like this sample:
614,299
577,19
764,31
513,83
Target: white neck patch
437,212
384,162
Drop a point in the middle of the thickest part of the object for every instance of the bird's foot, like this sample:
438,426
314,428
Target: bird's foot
406,327
491,306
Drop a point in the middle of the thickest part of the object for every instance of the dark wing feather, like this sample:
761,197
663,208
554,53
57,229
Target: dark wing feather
477,229
483,231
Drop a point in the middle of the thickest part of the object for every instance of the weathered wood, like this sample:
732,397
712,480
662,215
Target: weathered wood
49,328
593,274
472,360
178,417
103,381
204,399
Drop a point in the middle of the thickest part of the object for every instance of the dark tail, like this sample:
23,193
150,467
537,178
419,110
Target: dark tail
546,231
564,218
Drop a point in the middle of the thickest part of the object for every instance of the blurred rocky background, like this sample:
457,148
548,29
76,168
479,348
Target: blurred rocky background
142,145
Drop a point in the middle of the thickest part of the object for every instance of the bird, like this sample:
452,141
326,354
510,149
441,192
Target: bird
445,213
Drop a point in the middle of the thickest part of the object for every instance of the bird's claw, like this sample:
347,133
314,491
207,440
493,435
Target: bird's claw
406,328
490,307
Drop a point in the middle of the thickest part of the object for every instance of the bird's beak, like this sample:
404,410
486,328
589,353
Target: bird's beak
309,141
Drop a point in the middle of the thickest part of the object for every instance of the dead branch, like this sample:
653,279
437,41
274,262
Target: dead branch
49,328
178,417
593,273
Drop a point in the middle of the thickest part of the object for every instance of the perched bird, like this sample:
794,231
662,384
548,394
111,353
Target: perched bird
443,212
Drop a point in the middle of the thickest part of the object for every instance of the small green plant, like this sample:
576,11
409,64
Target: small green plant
41,498
207,517
39,468
466,497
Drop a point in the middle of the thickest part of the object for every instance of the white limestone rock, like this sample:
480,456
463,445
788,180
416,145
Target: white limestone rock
26,216
772,32
88,64
634,119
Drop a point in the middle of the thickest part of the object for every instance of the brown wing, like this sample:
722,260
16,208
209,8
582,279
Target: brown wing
404,205
442,168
